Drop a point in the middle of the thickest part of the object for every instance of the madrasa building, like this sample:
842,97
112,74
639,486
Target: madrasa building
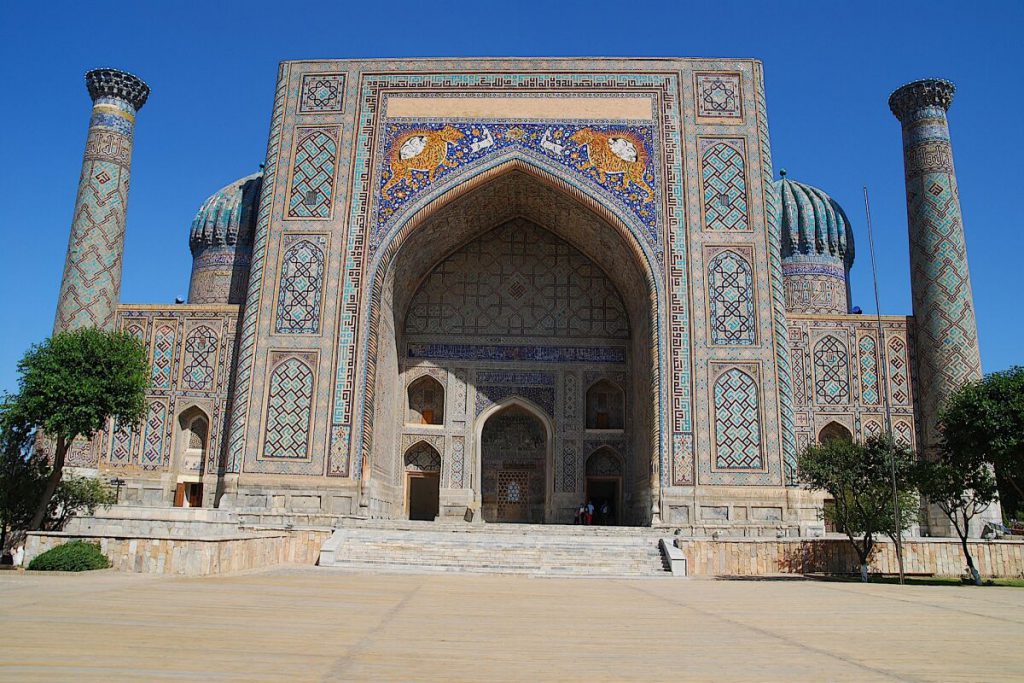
491,289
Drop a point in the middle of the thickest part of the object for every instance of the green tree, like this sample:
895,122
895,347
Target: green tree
859,478
986,419
21,478
962,485
70,385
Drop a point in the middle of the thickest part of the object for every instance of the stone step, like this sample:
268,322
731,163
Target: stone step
517,549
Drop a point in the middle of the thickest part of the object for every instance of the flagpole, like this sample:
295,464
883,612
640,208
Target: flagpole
885,385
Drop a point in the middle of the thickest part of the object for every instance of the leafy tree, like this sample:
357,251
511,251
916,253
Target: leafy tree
986,418
859,478
70,385
962,485
21,477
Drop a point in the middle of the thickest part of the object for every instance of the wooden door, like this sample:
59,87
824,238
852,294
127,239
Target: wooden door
179,495
424,495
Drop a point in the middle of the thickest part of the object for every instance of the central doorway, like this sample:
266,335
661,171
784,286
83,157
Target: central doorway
513,466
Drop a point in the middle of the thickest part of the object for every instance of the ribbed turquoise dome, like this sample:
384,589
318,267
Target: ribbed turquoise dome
813,224
228,217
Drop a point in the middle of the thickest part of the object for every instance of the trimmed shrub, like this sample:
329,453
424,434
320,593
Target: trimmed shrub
74,556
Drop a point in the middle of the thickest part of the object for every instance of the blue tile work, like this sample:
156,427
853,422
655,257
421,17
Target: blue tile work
351,392
193,356
731,299
831,372
301,285
869,380
506,353
289,410
163,356
719,95
543,379
247,334
486,396
91,283
948,352
322,93
725,186
737,422
311,192
616,159
154,455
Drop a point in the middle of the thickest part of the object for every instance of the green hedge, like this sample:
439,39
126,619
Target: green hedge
74,556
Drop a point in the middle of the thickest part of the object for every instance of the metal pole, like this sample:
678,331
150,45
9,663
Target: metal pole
882,360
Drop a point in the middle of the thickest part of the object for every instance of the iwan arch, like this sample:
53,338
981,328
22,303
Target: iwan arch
490,289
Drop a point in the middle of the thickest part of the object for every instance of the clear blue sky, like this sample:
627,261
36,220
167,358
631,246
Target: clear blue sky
829,68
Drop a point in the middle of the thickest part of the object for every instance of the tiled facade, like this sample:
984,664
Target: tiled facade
591,251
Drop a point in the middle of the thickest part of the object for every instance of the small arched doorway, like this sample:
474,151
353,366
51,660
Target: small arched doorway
604,485
193,443
422,482
514,445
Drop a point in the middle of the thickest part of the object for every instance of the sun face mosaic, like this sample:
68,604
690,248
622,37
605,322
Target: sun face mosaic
618,159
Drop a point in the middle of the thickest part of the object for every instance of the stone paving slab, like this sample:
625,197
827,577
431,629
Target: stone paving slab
308,624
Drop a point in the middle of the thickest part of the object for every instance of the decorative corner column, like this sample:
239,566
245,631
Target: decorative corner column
91,285
948,355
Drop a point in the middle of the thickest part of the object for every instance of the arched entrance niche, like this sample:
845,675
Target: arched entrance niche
548,356
422,481
515,463
193,441
605,472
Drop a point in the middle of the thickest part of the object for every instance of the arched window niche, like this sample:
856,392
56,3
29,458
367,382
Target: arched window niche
605,406
426,402
834,431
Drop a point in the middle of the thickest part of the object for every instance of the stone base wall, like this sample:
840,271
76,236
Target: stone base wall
942,557
193,556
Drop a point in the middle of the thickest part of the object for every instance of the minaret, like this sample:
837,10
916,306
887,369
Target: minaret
90,289
947,334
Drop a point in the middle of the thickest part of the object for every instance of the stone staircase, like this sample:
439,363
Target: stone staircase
494,548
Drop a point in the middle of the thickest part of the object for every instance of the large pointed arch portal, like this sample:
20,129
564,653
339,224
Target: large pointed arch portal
510,234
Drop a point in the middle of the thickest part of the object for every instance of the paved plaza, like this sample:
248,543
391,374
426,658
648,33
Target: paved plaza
317,624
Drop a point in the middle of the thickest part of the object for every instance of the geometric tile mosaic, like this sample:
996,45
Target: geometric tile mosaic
719,95
831,372
163,356
869,392
200,356
302,272
725,186
322,93
731,299
737,422
312,182
289,410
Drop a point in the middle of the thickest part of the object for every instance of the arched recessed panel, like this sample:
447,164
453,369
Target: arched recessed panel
425,402
289,410
604,462
605,406
298,299
731,300
831,372
737,422
518,280
422,457
513,464
834,431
